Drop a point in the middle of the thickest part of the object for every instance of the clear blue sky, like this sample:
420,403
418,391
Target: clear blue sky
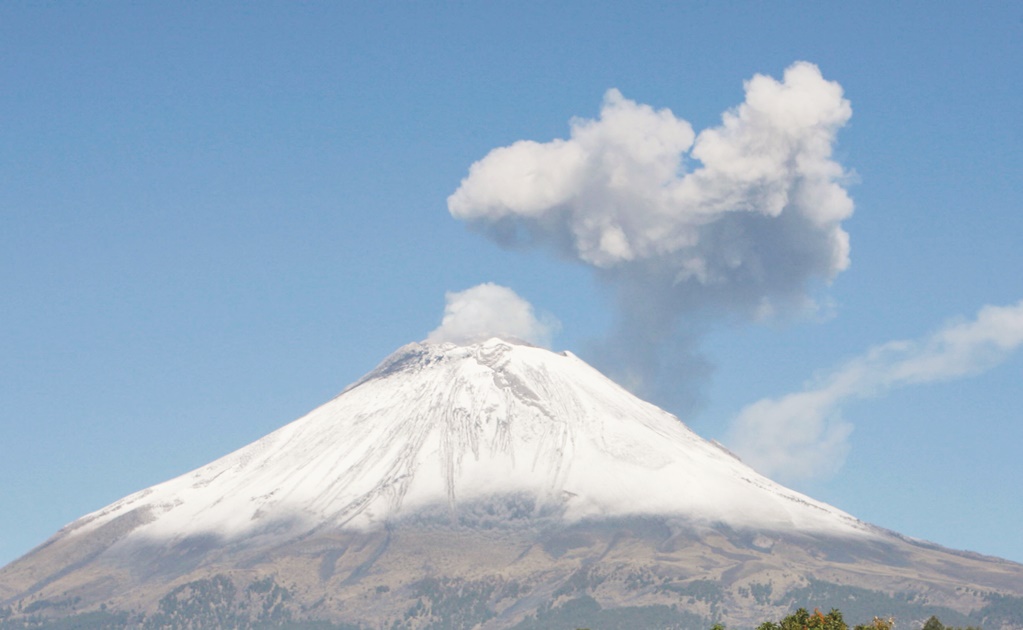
212,219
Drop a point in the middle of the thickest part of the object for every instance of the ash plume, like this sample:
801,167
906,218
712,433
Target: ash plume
735,223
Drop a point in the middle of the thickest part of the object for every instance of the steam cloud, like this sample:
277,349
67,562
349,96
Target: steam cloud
802,435
738,220
490,310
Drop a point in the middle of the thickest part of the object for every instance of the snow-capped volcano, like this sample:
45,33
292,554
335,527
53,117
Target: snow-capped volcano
443,425
488,485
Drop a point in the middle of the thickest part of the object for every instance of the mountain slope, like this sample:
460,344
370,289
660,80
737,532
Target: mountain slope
522,477
444,425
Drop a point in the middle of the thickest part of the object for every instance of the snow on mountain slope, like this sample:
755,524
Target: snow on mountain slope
442,425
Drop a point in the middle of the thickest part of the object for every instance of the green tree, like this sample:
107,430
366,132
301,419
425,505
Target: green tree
933,624
803,620
877,624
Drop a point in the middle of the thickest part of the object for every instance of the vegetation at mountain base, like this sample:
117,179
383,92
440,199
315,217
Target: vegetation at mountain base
586,610
862,603
263,604
804,620
935,624
833,620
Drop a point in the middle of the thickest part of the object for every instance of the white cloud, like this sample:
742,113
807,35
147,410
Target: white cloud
619,189
607,186
490,310
802,435
737,220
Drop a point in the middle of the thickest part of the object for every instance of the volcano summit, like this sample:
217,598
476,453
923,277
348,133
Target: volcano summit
489,485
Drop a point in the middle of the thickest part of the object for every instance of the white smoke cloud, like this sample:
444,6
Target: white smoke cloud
490,310
802,435
737,220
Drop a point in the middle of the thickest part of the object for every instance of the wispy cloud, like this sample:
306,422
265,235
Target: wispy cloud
802,435
490,310
737,220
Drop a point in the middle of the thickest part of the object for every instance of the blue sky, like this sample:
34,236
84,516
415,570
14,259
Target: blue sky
215,218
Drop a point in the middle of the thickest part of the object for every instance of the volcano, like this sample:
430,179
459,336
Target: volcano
489,485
